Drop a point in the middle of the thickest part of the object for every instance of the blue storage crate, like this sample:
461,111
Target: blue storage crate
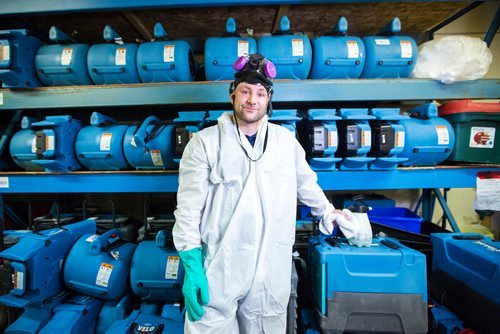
400,218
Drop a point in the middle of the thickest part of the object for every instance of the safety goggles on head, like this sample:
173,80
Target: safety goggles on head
254,69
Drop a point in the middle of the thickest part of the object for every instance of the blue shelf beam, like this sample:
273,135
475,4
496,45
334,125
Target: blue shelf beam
216,92
18,7
129,182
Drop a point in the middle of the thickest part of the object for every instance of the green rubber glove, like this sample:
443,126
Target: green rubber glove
195,288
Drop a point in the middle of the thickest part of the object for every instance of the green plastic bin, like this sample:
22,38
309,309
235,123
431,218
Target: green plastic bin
476,127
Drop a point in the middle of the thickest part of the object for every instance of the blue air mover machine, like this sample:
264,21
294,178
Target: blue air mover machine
17,52
98,265
163,60
99,146
222,52
169,321
322,141
31,268
355,139
35,316
188,123
388,138
22,146
378,289
52,146
429,139
150,145
213,116
466,278
77,315
113,63
112,311
290,53
337,56
389,56
159,280
287,118
63,64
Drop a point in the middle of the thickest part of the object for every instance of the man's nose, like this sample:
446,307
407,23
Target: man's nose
251,99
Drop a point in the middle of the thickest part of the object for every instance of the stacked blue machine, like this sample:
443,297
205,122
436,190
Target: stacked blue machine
188,123
113,63
17,51
433,147
158,284
337,56
164,60
222,52
323,139
150,145
290,53
99,146
98,265
388,138
31,272
355,139
62,64
151,318
466,278
287,118
379,289
388,55
48,144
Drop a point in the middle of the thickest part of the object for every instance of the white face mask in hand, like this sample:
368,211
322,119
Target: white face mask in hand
364,236
355,226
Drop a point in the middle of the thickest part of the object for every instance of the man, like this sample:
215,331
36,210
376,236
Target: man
238,187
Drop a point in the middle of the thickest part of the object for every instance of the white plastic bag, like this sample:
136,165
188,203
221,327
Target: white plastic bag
453,58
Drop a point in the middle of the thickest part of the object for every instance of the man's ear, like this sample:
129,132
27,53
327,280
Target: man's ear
231,97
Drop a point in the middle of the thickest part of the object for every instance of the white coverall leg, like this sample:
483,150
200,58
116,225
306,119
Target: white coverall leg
242,213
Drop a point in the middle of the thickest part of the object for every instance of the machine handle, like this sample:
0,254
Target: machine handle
390,244
99,119
140,137
101,242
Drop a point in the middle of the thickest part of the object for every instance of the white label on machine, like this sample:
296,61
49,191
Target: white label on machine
49,143
121,56
156,158
66,56
4,52
105,144
242,48
487,191
443,135
172,268
18,280
103,274
33,145
400,138
1,99
406,50
132,142
383,41
168,53
482,137
366,138
4,182
333,138
297,47
352,49
91,238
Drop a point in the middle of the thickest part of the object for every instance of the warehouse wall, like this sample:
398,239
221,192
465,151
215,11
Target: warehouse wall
474,24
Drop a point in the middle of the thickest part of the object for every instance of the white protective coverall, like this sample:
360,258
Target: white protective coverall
243,215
